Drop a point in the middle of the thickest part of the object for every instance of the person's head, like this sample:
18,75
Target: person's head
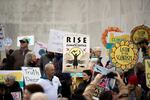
39,96
10,80
29,57
49,70
30,89
87,75
24,43
97,51
50,54
132,82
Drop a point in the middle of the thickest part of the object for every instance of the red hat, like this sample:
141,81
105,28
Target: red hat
133,80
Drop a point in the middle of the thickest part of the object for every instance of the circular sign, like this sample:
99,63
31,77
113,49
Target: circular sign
124,55
140,33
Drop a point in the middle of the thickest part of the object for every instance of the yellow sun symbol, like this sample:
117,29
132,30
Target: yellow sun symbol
124,55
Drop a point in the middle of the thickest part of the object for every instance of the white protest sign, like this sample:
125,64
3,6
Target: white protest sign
39,49
55,42
31,74
16,95
103,70
75,52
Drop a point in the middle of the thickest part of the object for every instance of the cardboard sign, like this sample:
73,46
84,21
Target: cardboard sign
31,74
55,42
16,95
17,74
75,52
147,70
124,55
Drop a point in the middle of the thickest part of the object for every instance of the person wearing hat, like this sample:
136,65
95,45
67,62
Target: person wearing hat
135,91
18,55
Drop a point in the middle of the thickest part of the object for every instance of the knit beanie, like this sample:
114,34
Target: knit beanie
133,80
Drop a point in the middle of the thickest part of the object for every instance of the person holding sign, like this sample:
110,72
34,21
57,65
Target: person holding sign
12,85
123,90
50,83
19,55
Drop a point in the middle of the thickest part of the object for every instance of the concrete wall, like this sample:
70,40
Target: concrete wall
26,17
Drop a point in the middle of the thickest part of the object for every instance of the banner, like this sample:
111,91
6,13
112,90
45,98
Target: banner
147,70
31,74
40,49
17,74
29,37
75,52
55,42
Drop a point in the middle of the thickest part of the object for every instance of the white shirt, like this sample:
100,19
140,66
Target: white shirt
50,87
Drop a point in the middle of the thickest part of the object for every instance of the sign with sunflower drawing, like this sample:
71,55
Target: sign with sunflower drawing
124,55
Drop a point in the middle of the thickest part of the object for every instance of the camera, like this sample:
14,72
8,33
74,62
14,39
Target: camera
111,75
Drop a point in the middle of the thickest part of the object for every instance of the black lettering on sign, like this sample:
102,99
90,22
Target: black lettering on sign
76,40
84,40
68,39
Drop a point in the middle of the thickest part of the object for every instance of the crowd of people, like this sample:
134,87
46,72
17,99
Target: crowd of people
53,85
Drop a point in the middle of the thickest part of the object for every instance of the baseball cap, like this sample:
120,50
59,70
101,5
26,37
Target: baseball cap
24,40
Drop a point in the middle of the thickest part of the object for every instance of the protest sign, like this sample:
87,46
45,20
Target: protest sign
124,55
147,70
1,38
40,49
31,74
55,42
17,74
16,95
75,52
114,37
103,70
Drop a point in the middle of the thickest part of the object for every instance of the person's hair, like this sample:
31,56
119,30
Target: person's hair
89,73
28,59
10,78
32,88
39,96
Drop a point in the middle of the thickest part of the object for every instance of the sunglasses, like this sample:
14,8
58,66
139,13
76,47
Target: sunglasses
22,42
